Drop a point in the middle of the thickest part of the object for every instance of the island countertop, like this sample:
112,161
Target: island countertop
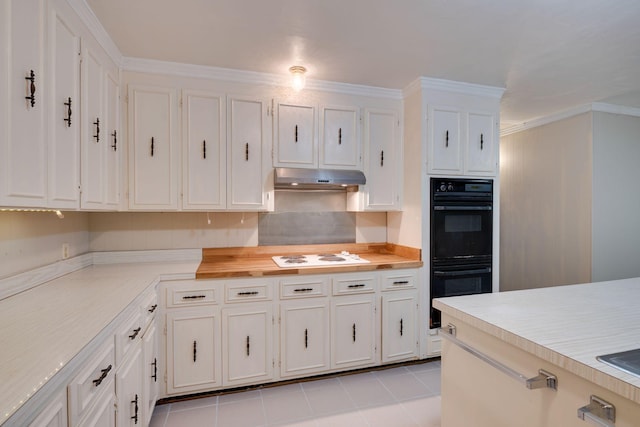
567,326
257,261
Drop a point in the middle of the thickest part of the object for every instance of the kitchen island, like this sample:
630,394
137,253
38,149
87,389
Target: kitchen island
501,340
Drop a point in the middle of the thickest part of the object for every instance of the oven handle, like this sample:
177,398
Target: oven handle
462,208
462,272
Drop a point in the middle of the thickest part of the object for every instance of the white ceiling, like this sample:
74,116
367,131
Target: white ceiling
550,55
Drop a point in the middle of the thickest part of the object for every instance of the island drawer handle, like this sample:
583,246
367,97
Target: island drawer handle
359,285
598,412
194,296
303,290
544,379
247,293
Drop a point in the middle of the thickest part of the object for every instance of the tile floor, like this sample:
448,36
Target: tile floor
399,396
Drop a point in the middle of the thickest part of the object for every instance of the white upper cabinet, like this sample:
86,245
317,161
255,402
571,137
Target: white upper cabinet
445,148
204,150
113,138
64,107
23,153
482,153
340,138
153,148
295,136
248,160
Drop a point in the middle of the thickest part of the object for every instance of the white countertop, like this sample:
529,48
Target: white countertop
43,328
567,326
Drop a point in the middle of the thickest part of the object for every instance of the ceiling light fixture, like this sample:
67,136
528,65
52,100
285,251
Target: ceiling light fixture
298,79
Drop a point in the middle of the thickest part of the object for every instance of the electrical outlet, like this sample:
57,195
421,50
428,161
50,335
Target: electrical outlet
65,250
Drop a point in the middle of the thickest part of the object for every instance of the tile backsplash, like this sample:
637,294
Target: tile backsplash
304,228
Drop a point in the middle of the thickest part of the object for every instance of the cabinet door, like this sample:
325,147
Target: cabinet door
103,413
54,415
353,331
384,157
248,161
131,400
304,337
64,108
445,151
150,373
482,153
193,350
204,150
339,138
295,142
23,171
153,174
113,141
399,329
247,336
94,136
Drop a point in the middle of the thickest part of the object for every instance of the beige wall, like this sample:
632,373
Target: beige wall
545,205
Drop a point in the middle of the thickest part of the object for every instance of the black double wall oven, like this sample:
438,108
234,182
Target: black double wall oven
461,239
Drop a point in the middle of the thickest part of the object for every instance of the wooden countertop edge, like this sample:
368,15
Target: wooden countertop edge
231,262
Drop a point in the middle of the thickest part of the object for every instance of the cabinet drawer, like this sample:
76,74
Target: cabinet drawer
128,334
96,376
351,284
149,308
189,293
400,280
239,292
301,287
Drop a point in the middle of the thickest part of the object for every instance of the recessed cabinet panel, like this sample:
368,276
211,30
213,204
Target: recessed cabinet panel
54,415
481,149
353,331
129,390
339,138
296,142
384,148
22,143
64,109
399,331
445,148
204,150
153,156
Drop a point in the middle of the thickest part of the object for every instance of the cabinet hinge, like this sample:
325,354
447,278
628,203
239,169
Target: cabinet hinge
273,363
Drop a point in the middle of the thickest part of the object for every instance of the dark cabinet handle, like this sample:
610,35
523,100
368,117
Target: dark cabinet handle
194,296
68,119
155,370
152,145
246,151
204,148
135,333
446,140
153,308
32,88
306,338
195,351
104,374
296,133
115,140
382,158
481,142
359,285
354,332
401,327
401,282
248,346
136,408
247,293
97,135
303,290
339,136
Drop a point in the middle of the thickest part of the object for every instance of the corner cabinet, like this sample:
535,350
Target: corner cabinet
248,155
462,142
153,148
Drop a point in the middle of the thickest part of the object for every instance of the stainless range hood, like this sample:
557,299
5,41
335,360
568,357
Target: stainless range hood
318,179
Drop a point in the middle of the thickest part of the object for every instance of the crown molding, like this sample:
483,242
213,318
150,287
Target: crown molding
97,30
144,65
429,83
615,109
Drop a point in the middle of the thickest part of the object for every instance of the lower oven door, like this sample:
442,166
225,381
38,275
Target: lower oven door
458,280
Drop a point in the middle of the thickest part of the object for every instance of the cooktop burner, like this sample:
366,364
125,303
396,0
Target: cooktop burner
343,258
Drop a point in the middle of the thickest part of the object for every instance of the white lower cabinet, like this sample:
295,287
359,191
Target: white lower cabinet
353,331
129,389
150,373
399,326
304,337
103,413
247,337
54,415
193,350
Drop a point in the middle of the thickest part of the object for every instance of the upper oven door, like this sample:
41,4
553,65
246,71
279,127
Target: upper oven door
461,231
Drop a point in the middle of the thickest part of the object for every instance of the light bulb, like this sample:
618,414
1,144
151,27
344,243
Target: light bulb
298,79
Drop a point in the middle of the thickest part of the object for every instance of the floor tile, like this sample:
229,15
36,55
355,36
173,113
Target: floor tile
347,419
201,417
424,411
406,386
281,407
387,416
431,379
244,413
329,398
368,391
194,403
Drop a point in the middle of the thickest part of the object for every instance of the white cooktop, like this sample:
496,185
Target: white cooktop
316,260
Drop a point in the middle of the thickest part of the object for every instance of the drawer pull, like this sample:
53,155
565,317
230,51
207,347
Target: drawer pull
354,332
135,333
598,412
248,346
68,118
136,408
247,293
359,285
32,88
306,338
401,327
195,351
104,374
401,282
153,308
194,296
303,290
155,370
97,135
